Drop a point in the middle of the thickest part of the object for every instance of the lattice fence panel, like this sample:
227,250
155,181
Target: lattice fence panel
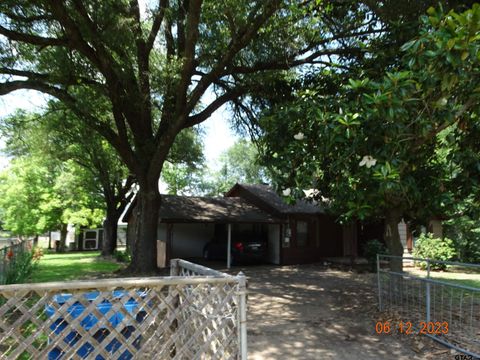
190,317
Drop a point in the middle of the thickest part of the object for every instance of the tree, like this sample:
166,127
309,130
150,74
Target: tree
55,135
151,70
238,164
388,146
38,196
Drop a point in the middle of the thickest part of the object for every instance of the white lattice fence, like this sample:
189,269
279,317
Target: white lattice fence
200,315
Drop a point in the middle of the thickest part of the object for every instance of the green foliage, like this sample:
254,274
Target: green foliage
465,233
370,250
428,247
139,77
39,195
238,164
389,142
122,256
22,265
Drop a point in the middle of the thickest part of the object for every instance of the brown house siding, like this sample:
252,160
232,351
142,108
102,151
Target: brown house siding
330,236
324,240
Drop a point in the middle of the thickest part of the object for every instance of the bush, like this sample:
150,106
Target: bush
122,256
370,251
428,247
465,233
22,265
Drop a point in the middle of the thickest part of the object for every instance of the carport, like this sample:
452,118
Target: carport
179,214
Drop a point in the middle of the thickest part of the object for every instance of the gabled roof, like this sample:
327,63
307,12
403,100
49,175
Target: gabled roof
268,197
257,204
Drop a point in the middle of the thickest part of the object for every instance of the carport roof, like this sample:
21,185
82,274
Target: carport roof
211,209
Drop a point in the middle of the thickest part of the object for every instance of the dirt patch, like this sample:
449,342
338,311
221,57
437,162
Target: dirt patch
314,312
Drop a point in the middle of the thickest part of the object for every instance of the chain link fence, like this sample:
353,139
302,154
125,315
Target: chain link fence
197,313
439,299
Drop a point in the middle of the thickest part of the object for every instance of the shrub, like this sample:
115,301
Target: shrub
432,248
122,256
22,265
370,251
465,233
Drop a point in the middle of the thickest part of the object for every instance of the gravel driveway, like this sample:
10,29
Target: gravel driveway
313,312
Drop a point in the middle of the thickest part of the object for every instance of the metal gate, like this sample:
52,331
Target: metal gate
444,305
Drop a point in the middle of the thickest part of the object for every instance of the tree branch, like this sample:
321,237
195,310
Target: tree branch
32,39
237,43
105,130
214,105
285,65
193,20
157,23
463,109
26,19
71,80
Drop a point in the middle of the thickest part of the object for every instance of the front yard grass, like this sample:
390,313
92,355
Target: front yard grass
467,277
73,266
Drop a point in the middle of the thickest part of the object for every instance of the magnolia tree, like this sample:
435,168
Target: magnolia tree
385,147
164,67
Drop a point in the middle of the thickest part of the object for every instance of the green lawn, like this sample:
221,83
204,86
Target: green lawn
455,276
70,266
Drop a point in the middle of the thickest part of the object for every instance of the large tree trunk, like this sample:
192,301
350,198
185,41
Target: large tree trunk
144,254
63,238
110,232
392,238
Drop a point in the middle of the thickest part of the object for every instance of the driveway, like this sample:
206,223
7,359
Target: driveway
313,312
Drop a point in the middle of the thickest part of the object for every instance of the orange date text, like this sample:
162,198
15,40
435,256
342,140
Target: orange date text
409,328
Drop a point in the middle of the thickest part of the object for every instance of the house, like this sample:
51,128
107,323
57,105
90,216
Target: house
299,233
295,234
307,233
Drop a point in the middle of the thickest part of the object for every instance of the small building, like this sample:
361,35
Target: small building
90,239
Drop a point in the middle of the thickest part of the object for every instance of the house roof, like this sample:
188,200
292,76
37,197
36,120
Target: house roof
211,209
268,196
189,209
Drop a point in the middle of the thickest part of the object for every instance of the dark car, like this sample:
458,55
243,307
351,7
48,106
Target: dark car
243,250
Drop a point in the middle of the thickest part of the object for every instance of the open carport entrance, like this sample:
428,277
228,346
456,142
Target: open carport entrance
187,224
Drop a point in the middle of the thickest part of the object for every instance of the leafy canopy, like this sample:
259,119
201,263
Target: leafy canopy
388,143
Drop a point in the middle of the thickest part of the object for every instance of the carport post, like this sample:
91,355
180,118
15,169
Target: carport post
229,244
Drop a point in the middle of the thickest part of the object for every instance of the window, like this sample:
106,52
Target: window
91,235
302,233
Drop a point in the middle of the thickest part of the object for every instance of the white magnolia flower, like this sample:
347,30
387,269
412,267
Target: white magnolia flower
299,136
310,193
368,161
287,192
